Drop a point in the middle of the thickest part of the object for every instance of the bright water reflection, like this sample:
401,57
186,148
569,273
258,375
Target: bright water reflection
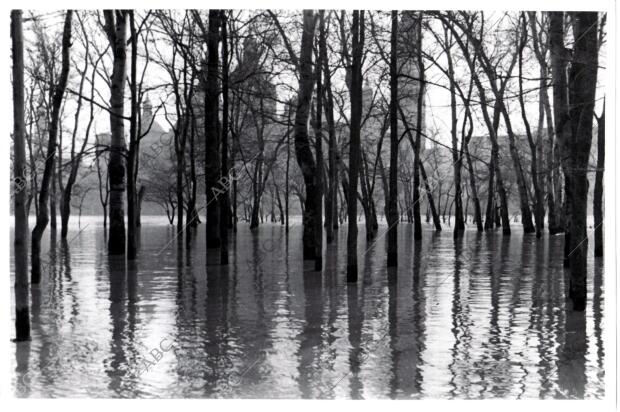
483,317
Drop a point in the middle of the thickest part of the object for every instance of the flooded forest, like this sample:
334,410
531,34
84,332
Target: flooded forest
320,204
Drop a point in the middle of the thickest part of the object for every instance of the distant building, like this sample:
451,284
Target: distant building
156,144
408,85
408,95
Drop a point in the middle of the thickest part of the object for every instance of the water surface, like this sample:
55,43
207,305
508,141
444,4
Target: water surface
482,317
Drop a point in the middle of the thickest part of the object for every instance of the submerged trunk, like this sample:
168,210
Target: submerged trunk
582,93
303,152
65,209
357,32
554,223
318,218
598,188
492,124
367,200
133,142
139,206
429,196
224,208
459,224
526,213
42,215
53,196
20,241
212,158
535,147
474,192
288,164
422,170
559,61
417,219
466,136
331,198
116,23
392,207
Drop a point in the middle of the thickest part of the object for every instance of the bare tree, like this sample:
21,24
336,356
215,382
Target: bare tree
357,49
77,157
582,93
331,198
59,91
457,157
116,31
20,242
535,146
392,209
552,155
212,158
559,62
225,172
598,186
303,152
492,124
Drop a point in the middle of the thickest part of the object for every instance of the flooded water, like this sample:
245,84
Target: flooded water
484,317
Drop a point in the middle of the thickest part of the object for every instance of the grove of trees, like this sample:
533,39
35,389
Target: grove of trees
448,119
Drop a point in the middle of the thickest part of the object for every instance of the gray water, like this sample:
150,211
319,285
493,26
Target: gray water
484,317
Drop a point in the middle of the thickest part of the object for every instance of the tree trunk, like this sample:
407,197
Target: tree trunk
256,190
212,158
133,140
224,208
582,93
459,224
195,219
116,24
53,195
367,201
392,209
526,213
303,152
554,223
42,215
466,136
318,218
417,220
357,32
331,198
20,245
598,188
280,206
429,196
288,163
65,210
474,191
539,210
559,61
429,189
139,206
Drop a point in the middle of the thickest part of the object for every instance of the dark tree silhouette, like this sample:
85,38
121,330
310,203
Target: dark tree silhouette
42,211
582,93
212,157
20,242
357,33
392,209
303,152
116,30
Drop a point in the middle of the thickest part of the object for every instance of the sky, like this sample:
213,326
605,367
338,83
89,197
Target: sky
437,97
